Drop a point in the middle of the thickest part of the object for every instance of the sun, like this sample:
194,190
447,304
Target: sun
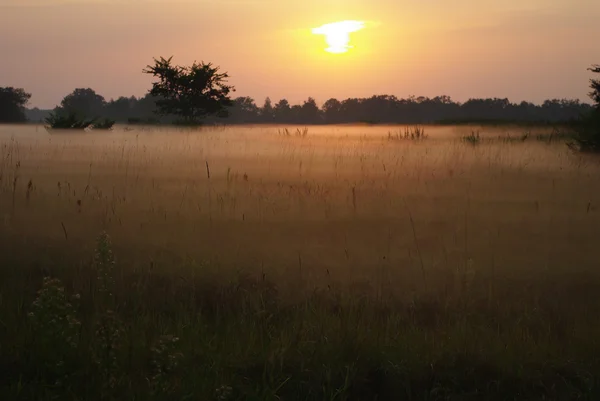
337,34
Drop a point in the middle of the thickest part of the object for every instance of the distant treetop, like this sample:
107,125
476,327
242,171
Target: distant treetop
192,93
12,104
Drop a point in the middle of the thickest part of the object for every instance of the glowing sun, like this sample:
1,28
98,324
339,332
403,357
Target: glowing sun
337,34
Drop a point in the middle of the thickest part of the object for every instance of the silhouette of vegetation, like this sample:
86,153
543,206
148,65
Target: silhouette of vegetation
414,110
80,110
595,85
12,104
68,121
267,113
121,109
519,138
555,135
36,115
83,102
586,134
473,138
586,137
374,110
192,93
105,124
243,110
299,133
415,133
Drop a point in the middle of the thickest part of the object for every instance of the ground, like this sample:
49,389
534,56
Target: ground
341,262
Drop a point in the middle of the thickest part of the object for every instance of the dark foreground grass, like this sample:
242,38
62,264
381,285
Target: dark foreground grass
100,331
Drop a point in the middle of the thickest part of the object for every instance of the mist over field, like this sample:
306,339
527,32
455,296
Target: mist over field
336,245
336,191
270,200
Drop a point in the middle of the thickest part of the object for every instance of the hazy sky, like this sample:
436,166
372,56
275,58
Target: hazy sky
520,49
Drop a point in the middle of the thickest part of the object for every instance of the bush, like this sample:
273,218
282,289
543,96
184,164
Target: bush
68,121
586,131
73,121
586,134
105,124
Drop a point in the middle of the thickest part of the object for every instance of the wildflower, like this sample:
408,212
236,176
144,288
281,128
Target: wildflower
223,393
165,360
106,346
53,319
52,315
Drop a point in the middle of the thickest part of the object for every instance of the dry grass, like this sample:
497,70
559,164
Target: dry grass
410,253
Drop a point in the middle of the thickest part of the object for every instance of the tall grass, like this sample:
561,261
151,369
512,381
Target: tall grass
415,133
243,264
474,138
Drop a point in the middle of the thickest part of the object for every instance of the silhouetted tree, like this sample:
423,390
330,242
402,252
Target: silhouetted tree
120,109
282,111
595,85
351,111
132,109
310,112
386,109
296,114
36,114
244,110
267,113
524,111
376,109
331,111
189,92
12,104
485,109
586,136
83,102
146,108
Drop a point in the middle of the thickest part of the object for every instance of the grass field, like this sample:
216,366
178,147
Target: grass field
259,263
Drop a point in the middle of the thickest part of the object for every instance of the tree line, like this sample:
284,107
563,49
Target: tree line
383,109
200,94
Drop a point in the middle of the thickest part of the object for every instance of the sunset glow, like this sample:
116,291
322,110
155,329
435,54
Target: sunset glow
292,50
337,35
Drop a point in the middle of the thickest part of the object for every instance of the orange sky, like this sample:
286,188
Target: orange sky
520,49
